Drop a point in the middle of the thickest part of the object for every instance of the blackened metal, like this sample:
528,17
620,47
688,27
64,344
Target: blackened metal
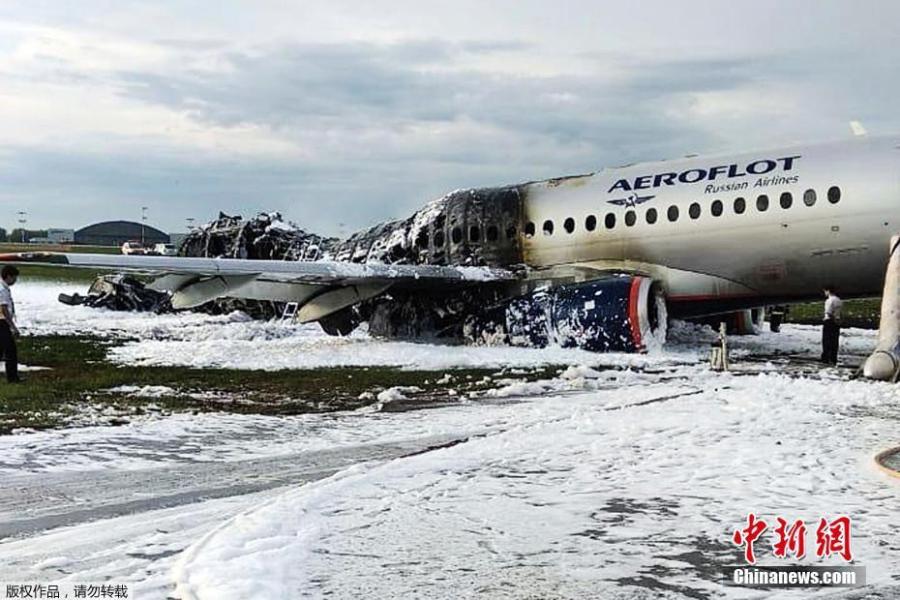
264,237
593,315
120,292
476,227
126,293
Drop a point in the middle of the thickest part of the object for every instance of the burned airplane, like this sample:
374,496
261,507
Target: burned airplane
594,261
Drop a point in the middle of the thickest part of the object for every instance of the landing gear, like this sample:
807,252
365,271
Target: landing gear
776,318
340,323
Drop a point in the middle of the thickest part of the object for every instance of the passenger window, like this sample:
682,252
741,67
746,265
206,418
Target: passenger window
548,227
716,208
694,211
762,203
474,233
651,216
786,200
610,220
569,225
529,229
740,205
809,197
672,213
511,232
590,223
630,218
438,239
492,233
834,194
456,235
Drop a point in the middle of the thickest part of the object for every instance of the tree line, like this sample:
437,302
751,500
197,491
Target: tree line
16,234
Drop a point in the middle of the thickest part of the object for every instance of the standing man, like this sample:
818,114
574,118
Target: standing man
831,326
8,330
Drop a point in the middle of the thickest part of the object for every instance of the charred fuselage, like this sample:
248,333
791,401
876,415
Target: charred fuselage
478,227
470,228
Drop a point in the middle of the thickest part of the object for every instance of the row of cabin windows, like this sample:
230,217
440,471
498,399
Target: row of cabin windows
491,234
716,209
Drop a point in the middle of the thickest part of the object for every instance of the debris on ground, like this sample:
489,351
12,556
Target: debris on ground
266,237
477,227
121,292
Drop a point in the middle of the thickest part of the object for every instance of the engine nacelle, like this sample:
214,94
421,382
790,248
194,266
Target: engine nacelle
621,313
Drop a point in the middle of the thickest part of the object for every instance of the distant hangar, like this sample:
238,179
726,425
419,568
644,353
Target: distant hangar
116,233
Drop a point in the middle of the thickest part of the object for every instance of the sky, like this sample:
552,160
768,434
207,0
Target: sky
341,114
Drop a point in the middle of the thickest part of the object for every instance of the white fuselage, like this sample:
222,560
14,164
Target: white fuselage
783,246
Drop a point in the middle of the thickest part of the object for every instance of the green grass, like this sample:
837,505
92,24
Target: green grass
58,274
860,312
79,371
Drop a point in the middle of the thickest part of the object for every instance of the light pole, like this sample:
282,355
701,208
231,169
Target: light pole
23,218
190,224
143,223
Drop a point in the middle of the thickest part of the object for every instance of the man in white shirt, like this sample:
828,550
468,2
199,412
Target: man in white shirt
831,326
8,330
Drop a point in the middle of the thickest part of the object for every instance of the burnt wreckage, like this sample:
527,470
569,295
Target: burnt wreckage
484,227
265,237
475,227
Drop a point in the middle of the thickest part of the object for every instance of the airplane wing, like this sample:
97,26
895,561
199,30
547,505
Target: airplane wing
319,287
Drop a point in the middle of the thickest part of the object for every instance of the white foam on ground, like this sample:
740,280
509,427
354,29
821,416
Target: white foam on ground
613,484
143,391
573,499
237,342
138,549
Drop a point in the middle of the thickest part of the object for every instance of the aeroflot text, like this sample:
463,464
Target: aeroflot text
759,167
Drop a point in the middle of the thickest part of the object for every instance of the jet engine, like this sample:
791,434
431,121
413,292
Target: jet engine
622,313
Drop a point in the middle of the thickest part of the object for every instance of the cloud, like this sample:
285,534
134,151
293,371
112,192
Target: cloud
336,93
370,127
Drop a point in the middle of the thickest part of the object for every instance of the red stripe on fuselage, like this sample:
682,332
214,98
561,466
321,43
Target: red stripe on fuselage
633,313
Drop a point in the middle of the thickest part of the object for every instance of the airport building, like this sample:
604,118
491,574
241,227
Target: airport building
55,236
116,233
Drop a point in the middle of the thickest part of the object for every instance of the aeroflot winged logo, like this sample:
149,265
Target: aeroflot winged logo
732,172
631,201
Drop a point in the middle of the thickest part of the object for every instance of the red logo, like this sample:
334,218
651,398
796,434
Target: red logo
748,535
832,538
791,540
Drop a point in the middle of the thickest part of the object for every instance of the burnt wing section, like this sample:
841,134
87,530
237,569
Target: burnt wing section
477,227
